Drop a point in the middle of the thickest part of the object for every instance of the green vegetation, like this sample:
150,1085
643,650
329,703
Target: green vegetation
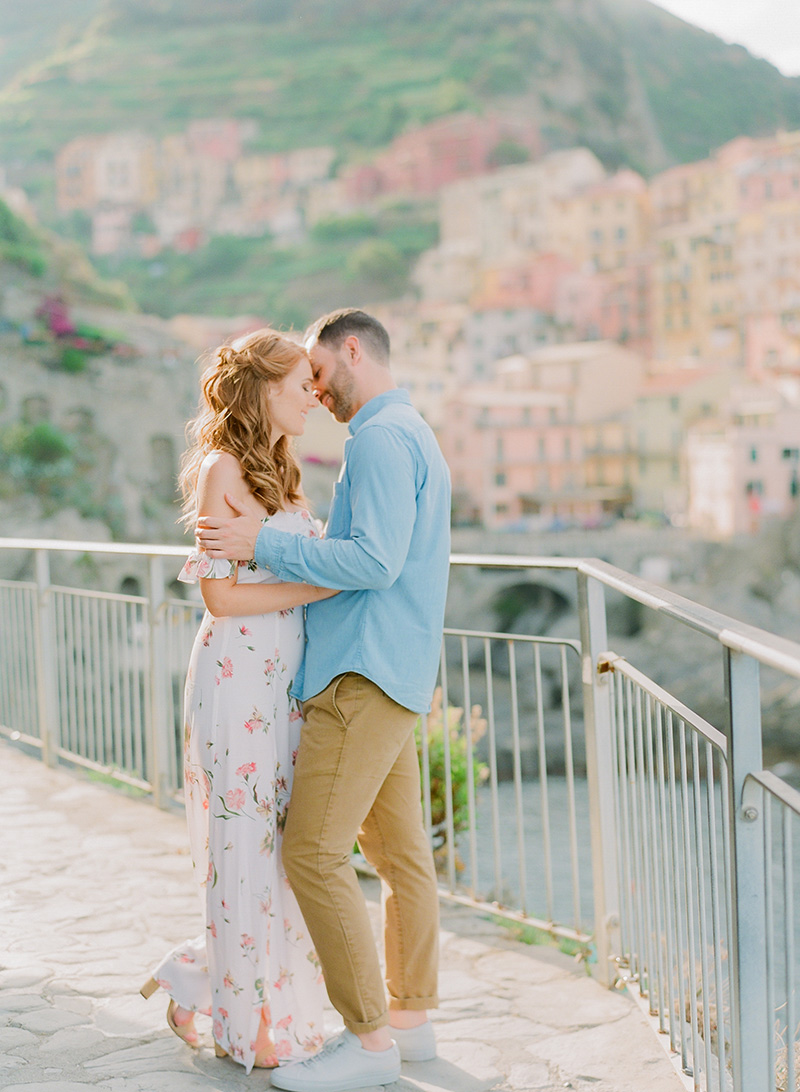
72,360
19,244
40,458
36,458
702,91
355,73
119,783
459,769
355,257
530,934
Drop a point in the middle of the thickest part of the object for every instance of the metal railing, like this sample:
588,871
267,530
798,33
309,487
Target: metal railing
671,864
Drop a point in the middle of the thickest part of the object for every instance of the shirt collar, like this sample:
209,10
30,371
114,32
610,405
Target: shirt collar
369,409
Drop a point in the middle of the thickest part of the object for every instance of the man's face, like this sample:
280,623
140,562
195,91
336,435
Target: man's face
334,383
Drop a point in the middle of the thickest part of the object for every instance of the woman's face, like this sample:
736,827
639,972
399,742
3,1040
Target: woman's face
290,400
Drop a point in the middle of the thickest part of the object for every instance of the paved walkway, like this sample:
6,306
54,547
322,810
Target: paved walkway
96,885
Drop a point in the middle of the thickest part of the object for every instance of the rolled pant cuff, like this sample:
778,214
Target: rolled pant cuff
367,1025
415,1004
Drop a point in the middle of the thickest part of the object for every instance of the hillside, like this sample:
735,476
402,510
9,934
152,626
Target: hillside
93,398
623,77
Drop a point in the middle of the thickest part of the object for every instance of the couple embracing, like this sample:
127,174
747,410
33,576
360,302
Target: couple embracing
300,732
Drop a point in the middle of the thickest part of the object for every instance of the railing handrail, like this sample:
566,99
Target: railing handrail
82,547
767,648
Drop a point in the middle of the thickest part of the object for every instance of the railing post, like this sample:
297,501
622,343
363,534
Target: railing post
46,690
751,1020
159,719
600,774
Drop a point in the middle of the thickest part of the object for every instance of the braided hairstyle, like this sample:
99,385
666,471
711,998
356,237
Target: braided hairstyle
234,416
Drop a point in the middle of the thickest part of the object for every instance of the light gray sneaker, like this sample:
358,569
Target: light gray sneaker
415,1044
343,1063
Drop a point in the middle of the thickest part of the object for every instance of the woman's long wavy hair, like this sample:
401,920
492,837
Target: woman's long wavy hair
234,416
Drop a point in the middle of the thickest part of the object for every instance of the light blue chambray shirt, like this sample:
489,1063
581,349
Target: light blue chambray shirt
387,545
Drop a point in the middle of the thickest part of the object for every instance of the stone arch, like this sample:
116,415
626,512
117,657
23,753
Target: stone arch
130,585
529,599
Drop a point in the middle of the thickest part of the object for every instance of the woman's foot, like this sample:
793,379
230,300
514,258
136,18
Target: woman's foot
181,1021
264,1047
265,1058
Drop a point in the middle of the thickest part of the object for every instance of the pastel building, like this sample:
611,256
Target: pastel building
606,223
508,215
666,407
744,468
118,170
428,352
423,160
543,441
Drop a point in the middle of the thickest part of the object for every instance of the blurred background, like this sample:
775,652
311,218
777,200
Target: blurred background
578,219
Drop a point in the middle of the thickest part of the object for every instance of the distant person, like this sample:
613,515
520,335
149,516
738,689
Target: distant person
254,969
371,662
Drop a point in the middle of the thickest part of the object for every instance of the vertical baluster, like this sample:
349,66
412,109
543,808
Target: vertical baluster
571,806
683,986
703,934
718,939
668,882
789,925
49,728
657,853
495,801
600,770
519,808
472,831
543,793
750,1022
448,782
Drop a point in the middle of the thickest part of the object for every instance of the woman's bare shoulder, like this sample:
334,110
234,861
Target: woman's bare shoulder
221,468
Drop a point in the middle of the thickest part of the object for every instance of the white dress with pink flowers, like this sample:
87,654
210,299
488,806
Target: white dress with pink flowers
242,733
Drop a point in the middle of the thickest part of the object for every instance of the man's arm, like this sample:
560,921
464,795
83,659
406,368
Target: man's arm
383,512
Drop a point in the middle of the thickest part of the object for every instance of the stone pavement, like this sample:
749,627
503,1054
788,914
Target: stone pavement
95,885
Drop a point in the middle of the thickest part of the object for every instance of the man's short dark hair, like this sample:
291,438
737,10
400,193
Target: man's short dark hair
333,328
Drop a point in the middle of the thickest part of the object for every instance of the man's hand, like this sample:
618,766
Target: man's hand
233,538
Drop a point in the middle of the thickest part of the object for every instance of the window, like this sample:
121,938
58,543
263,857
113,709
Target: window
753,454
500,477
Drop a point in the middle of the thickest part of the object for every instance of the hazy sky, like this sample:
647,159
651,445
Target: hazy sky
767,28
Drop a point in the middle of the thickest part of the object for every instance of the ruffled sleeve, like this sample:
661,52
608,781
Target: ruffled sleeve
201,567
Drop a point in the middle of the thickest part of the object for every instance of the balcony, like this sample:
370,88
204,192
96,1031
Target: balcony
652,843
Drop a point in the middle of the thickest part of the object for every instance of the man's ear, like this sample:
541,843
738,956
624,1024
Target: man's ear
352,346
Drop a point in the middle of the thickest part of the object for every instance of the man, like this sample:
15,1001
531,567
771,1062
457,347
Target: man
370,667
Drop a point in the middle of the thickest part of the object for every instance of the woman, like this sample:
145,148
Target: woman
254,971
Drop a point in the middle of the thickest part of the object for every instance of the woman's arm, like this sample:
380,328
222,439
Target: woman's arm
225,598
221,473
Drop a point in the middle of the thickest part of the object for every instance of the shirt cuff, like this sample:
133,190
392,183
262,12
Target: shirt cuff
269,549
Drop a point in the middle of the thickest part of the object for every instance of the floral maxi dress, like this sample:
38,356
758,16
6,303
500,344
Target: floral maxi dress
242,733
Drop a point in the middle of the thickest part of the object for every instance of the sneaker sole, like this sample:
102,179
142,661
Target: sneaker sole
421,1055
367,1081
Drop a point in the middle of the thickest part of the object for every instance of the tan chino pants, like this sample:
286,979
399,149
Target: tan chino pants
357,776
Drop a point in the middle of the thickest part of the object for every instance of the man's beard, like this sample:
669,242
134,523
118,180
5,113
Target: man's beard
341,392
